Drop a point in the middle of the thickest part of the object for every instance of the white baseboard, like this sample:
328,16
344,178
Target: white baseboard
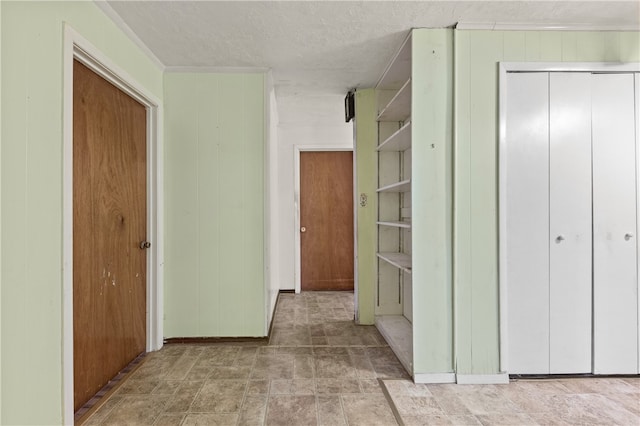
482,379
434,377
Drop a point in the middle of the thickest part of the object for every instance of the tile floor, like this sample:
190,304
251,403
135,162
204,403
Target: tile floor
319,368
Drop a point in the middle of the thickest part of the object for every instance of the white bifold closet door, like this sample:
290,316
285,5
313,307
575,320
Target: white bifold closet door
615,279
527,236
571,246
569,223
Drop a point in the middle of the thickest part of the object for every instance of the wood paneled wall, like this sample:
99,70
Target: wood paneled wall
477,54
214,205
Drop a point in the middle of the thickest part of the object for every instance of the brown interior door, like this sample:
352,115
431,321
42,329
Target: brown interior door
109,222
326,220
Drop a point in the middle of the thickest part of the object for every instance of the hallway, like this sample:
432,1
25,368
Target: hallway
321,369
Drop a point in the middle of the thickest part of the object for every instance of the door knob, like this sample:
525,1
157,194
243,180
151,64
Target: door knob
303,229
627,237
144,245
559,239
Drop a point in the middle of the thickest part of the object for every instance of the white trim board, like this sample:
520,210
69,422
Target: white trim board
217,70
297,149
504,68
482,379
432,378
77,47
504,26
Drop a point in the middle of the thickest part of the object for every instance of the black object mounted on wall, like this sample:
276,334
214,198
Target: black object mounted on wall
350,106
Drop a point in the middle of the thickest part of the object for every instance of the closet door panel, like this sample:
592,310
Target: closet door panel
570,223
614,225
527,221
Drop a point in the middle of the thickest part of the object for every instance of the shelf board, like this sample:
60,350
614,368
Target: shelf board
399,141
396,224
403,186
399,107
399,69
399,260
398,332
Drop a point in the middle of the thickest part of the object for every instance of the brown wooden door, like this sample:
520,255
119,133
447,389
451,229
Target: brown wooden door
109,222
326,220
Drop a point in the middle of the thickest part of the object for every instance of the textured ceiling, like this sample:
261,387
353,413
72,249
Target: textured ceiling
319,48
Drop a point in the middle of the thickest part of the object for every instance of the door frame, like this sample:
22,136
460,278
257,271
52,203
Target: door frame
77,47
503,69
297,150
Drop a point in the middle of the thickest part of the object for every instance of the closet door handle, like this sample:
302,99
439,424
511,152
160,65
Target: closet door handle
627,237
559,239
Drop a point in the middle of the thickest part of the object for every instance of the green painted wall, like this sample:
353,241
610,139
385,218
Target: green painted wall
214,205
431,122
366,140
476,181
31,177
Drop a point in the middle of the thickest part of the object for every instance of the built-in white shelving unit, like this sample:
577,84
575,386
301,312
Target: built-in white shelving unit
399,140
396,224
399,260
413,231
402,186
393,307
399,107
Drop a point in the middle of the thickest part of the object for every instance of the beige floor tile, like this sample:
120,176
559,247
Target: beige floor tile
137,410
338,366
257,387
322,368
169,420
208,419
330,411
167,387
181,368
512,419
230,372
104,411
337,386
417,405
292,387
286,410
253,410
370,386
303,366
367,410
184,396
219,396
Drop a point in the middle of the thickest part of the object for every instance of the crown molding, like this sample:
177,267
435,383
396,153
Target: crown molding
503,26
117,19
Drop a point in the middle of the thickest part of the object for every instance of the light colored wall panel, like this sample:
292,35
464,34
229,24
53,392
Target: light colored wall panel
462,203
205,195
181,193
485,52
272,235
475,173
550,46
366,138
31,167
0,214
214,263
431,111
